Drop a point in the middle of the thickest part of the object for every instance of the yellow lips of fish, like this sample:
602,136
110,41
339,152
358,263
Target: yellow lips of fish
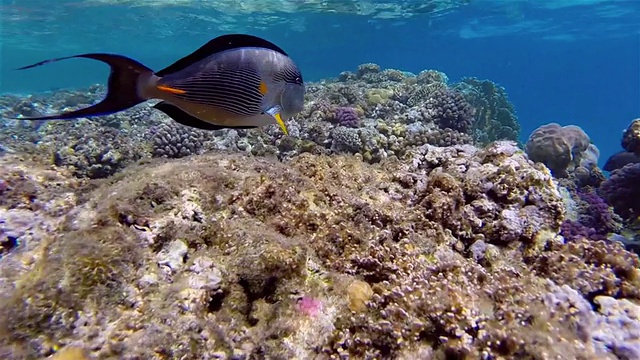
281,123
263,90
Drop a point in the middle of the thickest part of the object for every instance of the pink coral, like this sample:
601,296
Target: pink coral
309,306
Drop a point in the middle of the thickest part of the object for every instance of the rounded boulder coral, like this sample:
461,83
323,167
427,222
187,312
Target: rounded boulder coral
449,110
557,146
622,192
173,140
631,137
345,116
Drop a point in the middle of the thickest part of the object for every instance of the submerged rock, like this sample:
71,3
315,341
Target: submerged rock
449,252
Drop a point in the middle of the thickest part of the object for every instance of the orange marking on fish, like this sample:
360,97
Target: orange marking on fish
170,90
263,88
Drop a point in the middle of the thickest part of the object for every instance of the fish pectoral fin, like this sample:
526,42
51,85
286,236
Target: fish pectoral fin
275,113
184,118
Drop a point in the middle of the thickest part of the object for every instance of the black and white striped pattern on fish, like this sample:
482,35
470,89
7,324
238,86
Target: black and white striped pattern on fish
236,91
289,74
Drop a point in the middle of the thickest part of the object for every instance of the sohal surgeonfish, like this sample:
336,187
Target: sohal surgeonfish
233,81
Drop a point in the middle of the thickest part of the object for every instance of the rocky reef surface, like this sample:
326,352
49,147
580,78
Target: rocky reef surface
400,220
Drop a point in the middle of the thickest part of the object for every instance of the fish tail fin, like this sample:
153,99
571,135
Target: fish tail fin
122,87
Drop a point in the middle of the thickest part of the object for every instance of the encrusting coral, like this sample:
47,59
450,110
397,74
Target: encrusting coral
450,252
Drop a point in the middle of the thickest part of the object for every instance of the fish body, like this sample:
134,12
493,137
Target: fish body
233,81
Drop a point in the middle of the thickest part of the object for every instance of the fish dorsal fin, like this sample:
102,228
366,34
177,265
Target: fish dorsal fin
219,44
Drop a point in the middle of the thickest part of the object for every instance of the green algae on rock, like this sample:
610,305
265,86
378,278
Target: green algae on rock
210,256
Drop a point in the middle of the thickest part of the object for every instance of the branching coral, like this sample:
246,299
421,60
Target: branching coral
495,115
449,109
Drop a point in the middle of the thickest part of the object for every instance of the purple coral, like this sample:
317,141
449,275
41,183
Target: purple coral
346,116
596,214
595,219
309,306
574,230
622,191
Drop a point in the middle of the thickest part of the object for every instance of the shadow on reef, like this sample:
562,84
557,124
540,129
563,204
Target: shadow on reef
377,230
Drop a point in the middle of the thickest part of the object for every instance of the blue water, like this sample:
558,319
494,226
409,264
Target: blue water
571,62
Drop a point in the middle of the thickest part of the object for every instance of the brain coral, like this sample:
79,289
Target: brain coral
557,146
173,140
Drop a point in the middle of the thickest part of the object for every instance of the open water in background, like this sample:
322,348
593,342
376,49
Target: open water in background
567,61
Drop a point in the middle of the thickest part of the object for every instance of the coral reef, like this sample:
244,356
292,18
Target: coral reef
449,110
495,115
619,160
393,111
173,140
452,251
612,327
382,227
560,148
593,219
630,142
346,116
631,137
622,192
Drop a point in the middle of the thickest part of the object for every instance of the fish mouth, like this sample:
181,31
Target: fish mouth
281,123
